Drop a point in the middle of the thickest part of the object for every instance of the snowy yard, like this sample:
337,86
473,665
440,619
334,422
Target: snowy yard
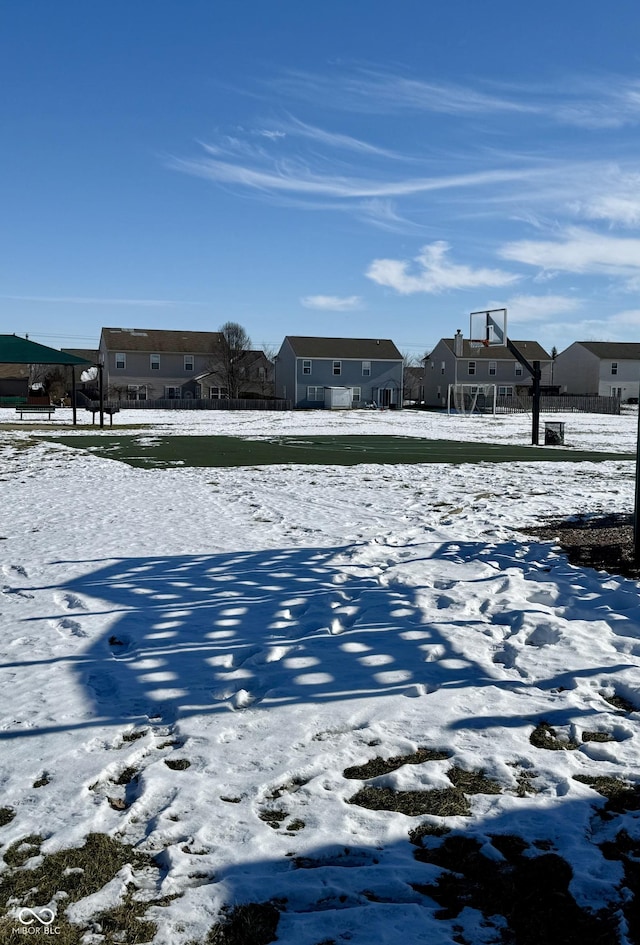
202,663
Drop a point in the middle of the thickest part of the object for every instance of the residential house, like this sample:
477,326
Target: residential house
339,372
605,368
150,364
457,361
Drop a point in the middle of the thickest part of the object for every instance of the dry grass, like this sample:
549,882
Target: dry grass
77,872
251,924
379,766
448,802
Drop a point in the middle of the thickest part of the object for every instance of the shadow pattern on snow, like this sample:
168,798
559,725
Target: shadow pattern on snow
204,633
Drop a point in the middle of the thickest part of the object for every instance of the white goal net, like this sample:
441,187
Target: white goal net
471,399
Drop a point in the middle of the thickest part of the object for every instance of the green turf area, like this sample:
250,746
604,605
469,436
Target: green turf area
159,451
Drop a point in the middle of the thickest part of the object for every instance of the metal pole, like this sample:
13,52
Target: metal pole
636,510
73,394
535,407
101,388
536,373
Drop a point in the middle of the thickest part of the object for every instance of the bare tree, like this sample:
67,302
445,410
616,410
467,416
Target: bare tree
233,358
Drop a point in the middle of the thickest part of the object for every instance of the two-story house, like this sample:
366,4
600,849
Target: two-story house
151,364
457,361
606,368
339,372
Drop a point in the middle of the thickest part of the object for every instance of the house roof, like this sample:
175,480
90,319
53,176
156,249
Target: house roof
531,350
158,340
371,349
14,372
89,354
616,350
16,350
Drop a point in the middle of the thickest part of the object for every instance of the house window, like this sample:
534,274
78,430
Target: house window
306,367
315,393
154,361
356,395
443,367
121,361
493,368
614,367
337,368
188,362
505,391
518,367
366,368
471,367
136,392
173,393
218,393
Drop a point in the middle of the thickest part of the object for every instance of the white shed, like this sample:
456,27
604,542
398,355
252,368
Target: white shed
338,398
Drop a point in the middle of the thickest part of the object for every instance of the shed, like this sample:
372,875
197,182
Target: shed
338,398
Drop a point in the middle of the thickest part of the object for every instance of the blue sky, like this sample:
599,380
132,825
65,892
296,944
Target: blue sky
348,167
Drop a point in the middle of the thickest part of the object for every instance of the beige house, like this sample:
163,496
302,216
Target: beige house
457,361
606,368
159,364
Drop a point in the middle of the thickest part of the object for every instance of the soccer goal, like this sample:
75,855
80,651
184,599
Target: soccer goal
470,399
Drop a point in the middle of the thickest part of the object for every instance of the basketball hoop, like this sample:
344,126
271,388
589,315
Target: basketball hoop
488,329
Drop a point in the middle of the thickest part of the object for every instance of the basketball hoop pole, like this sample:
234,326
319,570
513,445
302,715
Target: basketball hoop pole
536,374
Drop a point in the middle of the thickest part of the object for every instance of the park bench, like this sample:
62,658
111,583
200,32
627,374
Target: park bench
35,408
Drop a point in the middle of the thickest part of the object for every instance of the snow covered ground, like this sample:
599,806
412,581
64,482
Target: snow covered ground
273,627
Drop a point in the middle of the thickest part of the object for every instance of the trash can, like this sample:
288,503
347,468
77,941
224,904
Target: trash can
554,434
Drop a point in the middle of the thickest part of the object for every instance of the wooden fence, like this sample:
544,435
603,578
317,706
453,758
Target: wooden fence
193,403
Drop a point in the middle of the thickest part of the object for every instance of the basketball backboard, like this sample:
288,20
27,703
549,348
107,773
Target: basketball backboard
488,328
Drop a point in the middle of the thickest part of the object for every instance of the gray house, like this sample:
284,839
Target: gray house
606,368
456,361
149,364
339,372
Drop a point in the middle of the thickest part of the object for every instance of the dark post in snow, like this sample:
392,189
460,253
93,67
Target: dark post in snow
101,391
536,374
636,508
74,409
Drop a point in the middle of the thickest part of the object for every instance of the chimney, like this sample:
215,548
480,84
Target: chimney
457,344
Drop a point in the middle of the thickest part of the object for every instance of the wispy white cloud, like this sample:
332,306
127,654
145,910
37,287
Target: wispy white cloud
384,215
297,177
336,140
615,208
612,101
630,318
578,250
375,91
536,308
332,303
430,271
273,135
